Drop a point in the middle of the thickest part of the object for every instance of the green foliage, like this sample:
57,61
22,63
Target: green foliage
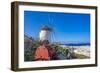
61,50
29,55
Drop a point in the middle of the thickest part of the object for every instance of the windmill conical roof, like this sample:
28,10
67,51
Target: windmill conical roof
46,28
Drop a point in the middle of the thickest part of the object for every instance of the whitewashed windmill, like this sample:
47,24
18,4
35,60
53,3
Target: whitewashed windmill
45,33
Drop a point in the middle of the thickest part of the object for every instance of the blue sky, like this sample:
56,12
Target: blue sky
67,27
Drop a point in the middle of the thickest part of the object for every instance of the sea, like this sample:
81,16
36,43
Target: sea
76,44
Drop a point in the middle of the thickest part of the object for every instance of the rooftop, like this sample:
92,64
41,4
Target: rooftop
46,28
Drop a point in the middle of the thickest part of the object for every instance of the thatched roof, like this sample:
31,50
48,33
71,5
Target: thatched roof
46,28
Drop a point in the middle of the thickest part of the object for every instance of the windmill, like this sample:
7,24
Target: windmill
45,33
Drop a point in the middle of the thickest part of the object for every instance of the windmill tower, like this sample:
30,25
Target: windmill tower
45,33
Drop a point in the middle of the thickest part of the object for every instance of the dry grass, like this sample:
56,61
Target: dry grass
80,56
